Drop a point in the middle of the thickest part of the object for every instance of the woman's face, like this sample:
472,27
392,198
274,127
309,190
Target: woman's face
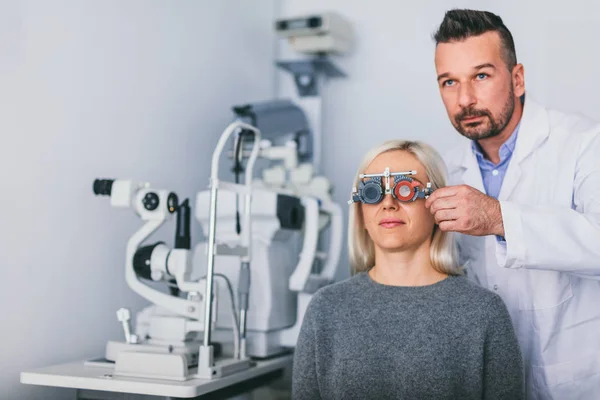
394,225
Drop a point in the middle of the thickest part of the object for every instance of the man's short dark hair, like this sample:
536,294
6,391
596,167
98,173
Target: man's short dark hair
459,25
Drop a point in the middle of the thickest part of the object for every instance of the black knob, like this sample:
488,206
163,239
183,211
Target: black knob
103,187
172,202
151,201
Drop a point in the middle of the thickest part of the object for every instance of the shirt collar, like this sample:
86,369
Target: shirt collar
506,149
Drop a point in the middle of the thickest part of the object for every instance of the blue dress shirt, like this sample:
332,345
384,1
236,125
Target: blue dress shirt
493,174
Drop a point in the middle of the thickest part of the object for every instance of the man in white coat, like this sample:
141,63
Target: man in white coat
525,201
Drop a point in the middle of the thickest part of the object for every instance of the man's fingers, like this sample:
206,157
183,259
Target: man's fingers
443,203
445,215
449,226
447,191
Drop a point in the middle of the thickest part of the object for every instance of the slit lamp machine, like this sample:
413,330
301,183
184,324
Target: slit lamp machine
272,240
228,308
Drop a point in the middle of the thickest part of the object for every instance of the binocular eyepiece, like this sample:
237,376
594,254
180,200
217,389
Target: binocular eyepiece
103,187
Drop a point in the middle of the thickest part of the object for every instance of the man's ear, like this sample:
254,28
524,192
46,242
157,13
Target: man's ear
518,78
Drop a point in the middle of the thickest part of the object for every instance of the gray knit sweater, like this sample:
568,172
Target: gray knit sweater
364,340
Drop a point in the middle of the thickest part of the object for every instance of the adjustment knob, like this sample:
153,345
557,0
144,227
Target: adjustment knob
172,202
150,201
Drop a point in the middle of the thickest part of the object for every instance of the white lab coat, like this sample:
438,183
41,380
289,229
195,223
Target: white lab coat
548,269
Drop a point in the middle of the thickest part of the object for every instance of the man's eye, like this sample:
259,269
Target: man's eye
449,82
481,76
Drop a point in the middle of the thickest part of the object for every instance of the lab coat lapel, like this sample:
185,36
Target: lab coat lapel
511,178
471,175
534,129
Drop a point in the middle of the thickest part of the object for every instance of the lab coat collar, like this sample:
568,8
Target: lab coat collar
533,130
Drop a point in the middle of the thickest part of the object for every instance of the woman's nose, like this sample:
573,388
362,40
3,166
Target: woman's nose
389,202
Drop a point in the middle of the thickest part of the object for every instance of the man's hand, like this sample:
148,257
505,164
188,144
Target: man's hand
466,210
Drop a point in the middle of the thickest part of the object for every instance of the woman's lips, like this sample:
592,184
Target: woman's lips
391,223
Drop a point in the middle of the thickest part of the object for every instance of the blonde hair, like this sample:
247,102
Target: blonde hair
443,254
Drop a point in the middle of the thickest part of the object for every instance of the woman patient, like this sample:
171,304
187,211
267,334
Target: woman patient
407,324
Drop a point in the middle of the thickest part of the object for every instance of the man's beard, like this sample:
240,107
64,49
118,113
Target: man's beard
488,126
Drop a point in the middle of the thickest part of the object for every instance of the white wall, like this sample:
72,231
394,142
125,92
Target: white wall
391,89
557,42
135,89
